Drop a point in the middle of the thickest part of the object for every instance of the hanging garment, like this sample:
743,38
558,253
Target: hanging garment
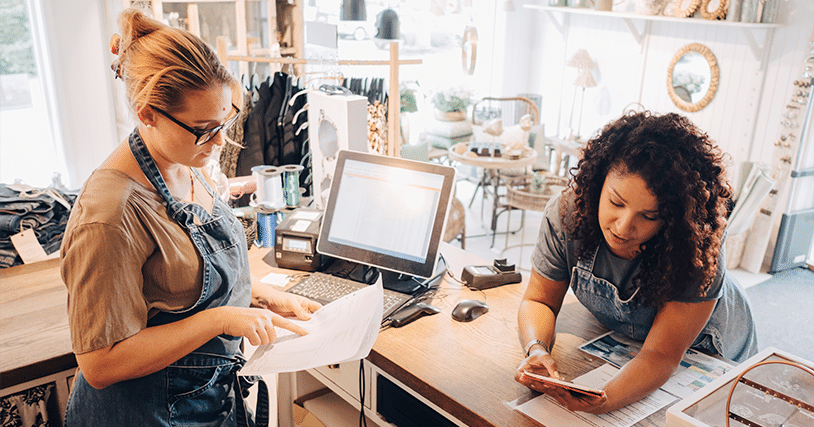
230,151
272,149
254,133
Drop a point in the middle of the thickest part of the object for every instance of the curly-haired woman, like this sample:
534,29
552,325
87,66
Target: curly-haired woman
638,236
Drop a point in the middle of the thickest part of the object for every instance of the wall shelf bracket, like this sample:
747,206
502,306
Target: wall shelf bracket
638,35
561,26
757,50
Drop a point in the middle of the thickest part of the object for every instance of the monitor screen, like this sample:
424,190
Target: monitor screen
386,212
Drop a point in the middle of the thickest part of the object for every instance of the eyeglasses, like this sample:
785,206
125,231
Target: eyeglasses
202,136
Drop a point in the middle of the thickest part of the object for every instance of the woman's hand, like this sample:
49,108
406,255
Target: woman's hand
255,324
576,401
538,362
283,303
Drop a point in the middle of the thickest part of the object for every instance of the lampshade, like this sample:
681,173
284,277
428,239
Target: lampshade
581,60
387,25
585,79
353,10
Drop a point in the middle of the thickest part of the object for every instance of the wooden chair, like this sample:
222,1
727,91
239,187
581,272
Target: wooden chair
456,223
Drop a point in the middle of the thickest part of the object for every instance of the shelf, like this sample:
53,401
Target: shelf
639,34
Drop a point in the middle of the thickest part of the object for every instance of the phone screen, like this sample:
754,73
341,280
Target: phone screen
574,388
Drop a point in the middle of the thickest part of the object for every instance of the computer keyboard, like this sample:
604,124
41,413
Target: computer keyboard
325,288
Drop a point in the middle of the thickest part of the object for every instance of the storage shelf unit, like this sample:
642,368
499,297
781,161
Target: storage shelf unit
282,22
748,28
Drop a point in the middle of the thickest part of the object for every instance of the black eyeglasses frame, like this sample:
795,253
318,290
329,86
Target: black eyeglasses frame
199,133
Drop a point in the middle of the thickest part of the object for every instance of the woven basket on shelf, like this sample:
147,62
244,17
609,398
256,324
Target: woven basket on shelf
250,227
520,196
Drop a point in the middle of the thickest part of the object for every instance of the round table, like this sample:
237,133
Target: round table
509,160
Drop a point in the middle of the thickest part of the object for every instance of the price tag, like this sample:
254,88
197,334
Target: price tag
26,244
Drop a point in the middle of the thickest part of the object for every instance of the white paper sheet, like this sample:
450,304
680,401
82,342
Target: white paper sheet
548,412
341,331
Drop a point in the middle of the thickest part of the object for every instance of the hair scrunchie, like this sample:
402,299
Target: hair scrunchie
115,48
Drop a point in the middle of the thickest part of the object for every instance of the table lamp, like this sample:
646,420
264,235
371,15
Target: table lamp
583,63
353,10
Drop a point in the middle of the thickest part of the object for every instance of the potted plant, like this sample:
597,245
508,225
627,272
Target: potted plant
451,104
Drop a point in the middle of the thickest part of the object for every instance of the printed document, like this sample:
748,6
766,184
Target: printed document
695,371
546,410
341,331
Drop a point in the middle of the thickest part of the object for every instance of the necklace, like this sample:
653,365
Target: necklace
191,186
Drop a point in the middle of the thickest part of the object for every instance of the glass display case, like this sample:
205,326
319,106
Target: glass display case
770,389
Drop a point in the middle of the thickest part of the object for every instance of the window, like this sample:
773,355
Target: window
29,146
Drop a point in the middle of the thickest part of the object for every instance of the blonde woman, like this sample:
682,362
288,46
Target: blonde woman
155,263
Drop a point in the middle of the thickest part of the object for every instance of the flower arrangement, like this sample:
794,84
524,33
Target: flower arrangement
690,81
454,99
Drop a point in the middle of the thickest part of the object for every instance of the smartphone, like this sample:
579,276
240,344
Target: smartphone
573,388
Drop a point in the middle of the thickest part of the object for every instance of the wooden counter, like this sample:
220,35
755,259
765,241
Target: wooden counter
34,338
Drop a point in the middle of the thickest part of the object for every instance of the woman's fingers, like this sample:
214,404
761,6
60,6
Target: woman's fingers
285,324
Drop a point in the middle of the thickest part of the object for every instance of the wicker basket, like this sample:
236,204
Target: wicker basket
519,195
250,227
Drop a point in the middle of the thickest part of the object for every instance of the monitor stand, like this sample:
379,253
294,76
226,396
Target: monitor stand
399,282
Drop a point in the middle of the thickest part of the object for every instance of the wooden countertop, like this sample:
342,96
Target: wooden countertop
34,336
468,368
465,368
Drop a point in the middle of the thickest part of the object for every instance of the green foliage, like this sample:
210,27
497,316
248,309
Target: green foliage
454,99
407,101
16,43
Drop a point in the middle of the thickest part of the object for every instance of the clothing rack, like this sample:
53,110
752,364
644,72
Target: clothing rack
393,106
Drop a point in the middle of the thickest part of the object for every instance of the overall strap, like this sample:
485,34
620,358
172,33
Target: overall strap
175,209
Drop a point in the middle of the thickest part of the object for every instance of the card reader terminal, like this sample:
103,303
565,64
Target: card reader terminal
489,276
296,240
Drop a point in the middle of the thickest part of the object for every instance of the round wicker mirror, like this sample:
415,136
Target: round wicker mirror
714,9
685,8
692,77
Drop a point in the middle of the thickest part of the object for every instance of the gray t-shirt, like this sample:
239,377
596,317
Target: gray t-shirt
556,252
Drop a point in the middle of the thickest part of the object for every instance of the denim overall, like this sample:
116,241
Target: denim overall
729,332
200,388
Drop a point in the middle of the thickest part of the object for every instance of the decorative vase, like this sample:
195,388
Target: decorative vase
733,13
449,116
649,7
538,184
749,11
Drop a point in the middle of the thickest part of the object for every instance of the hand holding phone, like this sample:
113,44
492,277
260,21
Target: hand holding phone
571,387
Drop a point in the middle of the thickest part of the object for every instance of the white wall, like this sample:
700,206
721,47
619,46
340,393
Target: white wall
744,116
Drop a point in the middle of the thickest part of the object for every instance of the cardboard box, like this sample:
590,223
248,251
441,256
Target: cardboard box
304,417
708,406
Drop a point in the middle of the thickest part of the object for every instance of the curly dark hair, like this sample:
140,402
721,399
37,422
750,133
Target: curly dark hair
684,170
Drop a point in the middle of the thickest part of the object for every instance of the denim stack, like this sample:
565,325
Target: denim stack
24,207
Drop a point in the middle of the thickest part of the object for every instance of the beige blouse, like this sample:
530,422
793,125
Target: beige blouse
123,260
